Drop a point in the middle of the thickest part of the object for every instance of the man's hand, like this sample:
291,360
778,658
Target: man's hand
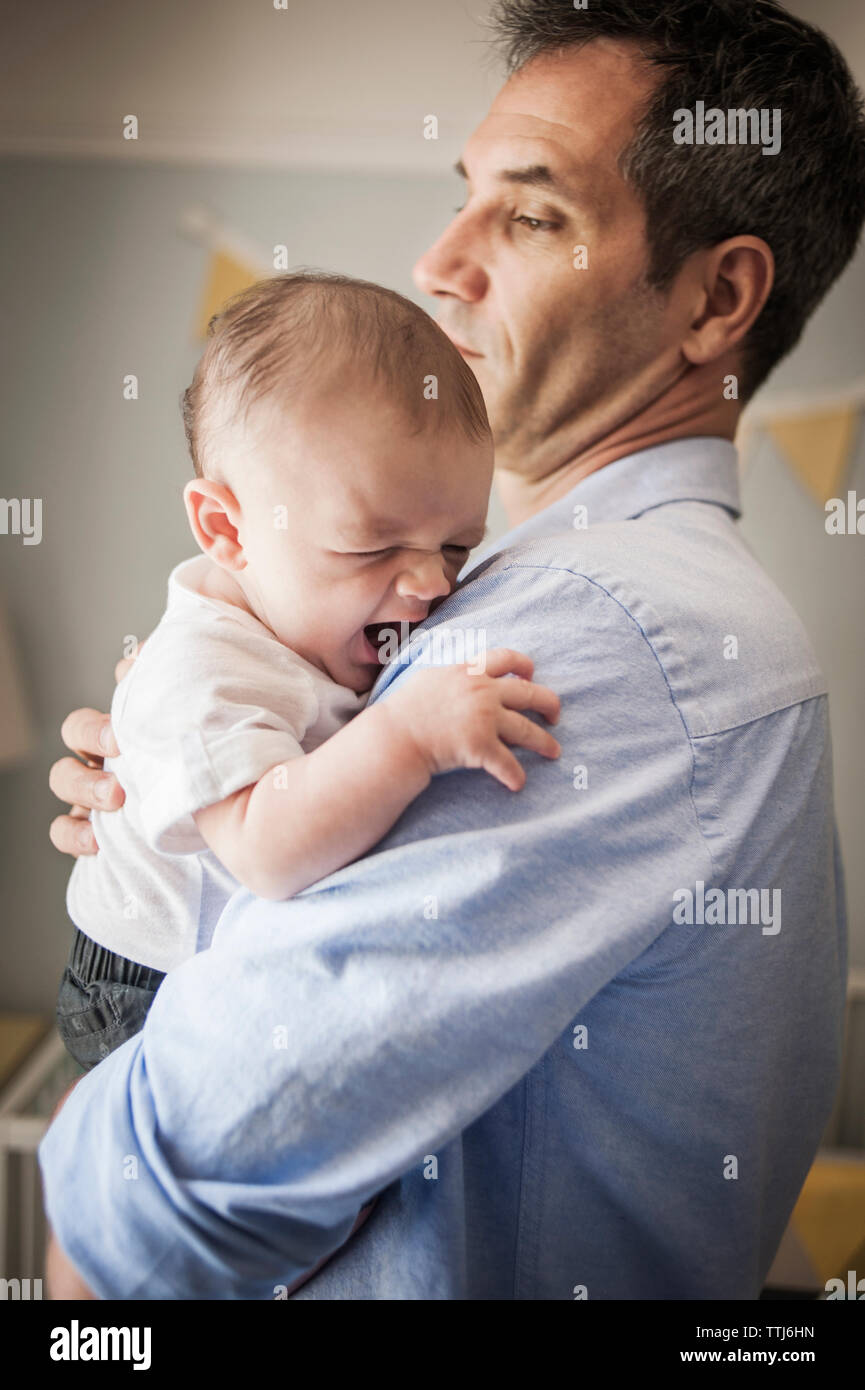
61,1277
88,733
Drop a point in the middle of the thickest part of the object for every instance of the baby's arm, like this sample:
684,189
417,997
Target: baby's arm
312,815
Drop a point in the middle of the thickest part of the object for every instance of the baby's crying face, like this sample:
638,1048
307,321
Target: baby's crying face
378,523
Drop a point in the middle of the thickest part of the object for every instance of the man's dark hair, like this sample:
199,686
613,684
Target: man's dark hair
807,201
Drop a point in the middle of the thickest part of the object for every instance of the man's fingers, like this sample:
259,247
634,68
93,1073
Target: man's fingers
88,733
124,664
86,787
522,694
83,784
501,661
516,728
71,835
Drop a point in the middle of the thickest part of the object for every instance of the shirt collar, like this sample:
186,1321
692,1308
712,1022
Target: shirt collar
700,469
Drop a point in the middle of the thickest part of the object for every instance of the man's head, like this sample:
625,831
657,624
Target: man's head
701,260
343,462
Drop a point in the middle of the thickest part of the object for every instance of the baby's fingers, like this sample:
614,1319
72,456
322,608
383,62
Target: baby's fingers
500,763
502,661
521,694
517,729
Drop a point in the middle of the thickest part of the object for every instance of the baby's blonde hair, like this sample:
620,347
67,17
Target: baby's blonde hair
293,331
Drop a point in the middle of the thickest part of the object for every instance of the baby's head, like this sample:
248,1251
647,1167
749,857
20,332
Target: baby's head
343,462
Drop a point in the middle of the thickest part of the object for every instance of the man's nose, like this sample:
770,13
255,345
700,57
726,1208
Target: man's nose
453,265
424,578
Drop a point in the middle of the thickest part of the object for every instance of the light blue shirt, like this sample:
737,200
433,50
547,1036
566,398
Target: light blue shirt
583,1038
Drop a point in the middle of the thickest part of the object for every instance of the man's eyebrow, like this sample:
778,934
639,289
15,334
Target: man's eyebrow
530,176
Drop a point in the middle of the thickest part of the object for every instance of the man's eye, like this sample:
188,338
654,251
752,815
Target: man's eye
535,224
367,553
459,549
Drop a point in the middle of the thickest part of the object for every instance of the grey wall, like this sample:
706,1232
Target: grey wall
97,283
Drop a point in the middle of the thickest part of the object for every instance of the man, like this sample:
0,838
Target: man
584,1040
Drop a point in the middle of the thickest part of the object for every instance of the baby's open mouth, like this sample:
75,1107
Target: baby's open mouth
385,639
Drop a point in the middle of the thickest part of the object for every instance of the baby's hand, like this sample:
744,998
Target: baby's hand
459,719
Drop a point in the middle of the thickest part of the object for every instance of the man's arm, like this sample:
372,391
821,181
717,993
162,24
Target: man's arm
324,1045
61,1277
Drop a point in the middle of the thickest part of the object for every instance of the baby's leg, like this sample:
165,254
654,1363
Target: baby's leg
102,1001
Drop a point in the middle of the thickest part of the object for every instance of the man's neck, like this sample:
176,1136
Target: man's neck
693,406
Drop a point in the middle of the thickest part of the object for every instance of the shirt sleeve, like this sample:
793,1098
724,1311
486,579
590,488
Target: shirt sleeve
323,1045
207,709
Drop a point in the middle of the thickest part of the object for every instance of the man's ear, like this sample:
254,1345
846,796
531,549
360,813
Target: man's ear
734,280
214,516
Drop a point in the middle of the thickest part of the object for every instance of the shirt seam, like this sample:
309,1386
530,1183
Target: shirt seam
756,718
578,574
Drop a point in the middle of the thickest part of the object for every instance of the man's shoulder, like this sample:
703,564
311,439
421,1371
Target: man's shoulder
731,647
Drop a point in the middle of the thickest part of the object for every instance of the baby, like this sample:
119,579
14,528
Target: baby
343,462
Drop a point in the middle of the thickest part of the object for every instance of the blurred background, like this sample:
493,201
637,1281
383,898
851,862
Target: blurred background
298,127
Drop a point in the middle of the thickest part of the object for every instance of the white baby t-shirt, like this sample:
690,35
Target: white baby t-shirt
212,702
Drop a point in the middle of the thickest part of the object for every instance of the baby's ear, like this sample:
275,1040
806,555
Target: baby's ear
214,515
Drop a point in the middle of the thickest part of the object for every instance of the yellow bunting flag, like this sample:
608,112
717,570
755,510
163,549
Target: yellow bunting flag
818,447
829,1217
227,275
